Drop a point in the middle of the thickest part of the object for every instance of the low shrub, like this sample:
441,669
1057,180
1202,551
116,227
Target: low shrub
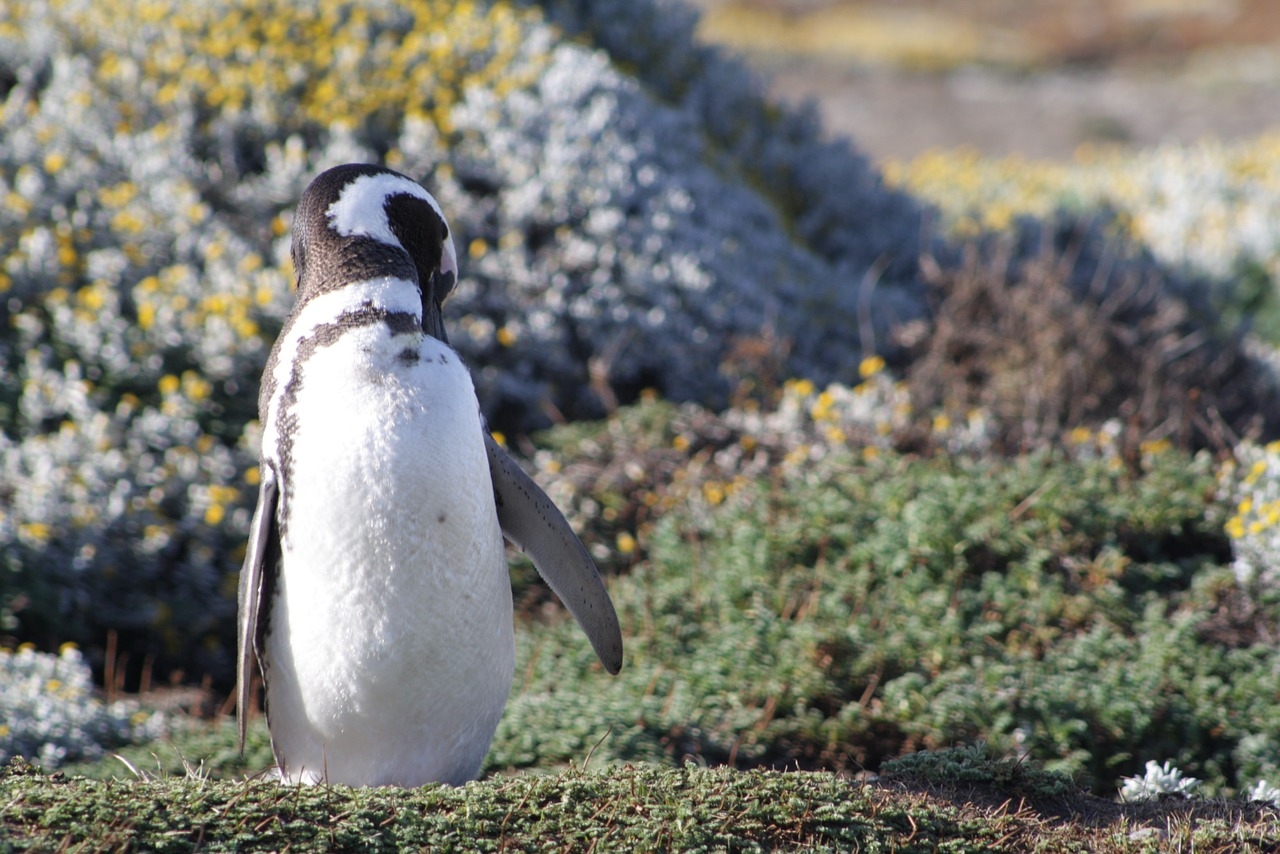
51,715
1062,327
843,608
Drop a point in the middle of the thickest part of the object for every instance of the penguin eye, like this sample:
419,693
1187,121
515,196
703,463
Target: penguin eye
423,233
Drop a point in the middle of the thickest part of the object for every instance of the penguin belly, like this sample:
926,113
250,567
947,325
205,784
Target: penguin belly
389,649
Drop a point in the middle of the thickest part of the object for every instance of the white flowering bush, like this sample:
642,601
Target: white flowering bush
1212,206
1251,485
50,714
1264,791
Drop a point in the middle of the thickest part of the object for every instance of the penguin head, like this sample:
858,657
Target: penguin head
358,222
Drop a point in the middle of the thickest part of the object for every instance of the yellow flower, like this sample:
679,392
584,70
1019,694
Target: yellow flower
17,204
626,543
196,386
128,222
823,406
90,297
1080,435
801,388
39,531
796,455
1157,447
870,366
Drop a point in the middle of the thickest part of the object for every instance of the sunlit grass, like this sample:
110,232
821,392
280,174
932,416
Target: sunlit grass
917,39
1214,206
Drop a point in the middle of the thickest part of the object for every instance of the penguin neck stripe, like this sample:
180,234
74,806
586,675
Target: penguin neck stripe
398,322
322,335
392,294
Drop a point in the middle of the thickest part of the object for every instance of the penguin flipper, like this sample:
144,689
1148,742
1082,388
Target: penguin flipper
531,520
259,562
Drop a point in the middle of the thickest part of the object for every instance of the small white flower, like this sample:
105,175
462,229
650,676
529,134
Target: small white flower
1159,780
1264,791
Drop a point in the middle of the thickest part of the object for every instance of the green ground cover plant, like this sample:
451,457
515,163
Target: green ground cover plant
843,610
954,800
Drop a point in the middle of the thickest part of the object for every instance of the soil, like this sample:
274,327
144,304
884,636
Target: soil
1133,73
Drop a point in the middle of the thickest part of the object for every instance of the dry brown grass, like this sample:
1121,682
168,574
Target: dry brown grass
1045,343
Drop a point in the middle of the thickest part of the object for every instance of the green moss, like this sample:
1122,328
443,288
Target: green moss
976,766
625,809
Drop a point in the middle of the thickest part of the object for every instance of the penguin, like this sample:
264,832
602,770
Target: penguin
374,596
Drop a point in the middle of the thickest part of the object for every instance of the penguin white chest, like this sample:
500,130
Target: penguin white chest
389,646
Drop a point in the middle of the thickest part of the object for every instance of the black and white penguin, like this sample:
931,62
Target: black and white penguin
374,593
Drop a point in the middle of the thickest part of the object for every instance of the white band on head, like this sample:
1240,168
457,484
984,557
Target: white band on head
360,209
449,256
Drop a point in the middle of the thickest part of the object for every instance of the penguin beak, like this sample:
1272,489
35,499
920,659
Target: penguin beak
432,311
439,287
